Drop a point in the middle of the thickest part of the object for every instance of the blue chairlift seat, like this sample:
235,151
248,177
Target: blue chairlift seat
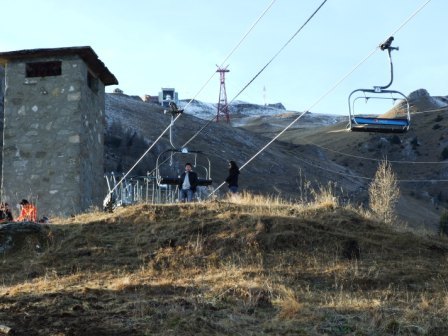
378,124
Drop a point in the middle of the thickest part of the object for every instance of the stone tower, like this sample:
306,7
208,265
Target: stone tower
54,129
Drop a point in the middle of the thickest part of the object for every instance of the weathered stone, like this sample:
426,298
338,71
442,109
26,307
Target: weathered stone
53,122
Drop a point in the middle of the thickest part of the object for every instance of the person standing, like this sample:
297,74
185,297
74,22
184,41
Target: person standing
5,213
188,183
232,178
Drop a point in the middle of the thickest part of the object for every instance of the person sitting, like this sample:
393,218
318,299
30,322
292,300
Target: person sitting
188,183
28,212
5,213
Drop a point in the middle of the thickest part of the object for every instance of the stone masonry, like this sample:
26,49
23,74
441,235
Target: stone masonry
54,129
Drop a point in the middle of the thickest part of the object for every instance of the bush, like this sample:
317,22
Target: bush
438,118
443,223
384,193
444,154
395,140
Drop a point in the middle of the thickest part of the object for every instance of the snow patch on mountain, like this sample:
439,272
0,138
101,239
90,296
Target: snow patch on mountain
237,109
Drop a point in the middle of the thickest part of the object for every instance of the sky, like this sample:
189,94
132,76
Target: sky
150,44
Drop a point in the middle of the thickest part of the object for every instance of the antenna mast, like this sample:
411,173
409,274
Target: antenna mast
223,109
264,95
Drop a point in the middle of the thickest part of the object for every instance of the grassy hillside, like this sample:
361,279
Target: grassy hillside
247,266
418,157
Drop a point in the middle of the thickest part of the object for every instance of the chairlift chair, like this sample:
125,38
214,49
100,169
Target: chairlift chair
380,123
164,179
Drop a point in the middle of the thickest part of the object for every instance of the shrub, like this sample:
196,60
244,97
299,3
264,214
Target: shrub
443,223
415,143
444,154
384,193
438,118
395,140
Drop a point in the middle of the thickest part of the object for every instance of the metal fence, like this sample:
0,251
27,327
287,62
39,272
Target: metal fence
145,189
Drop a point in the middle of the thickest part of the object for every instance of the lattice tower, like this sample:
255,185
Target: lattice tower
223,109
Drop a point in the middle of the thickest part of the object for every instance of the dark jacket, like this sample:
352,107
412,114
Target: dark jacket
232,179
193,177
6,216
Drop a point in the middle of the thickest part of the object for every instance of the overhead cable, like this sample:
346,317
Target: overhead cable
259,72
345,174
324,95
195,96
373,159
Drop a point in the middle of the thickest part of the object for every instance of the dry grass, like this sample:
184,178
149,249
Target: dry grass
245,266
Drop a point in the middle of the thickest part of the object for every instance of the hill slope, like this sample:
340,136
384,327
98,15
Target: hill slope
133,126
418,157
225,268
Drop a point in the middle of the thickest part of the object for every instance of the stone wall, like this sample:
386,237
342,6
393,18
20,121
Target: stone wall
53,132
2,88
93,185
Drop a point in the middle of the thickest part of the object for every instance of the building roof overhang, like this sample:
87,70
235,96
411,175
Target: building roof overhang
86,53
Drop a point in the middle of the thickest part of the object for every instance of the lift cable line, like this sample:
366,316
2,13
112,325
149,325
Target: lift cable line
259,72
293,122
107,199
405,22
280,50
324,95
212,119
444,108
232,52
344,174
373,159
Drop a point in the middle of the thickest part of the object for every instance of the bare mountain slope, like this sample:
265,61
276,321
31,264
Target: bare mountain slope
316,150
134,125
419,158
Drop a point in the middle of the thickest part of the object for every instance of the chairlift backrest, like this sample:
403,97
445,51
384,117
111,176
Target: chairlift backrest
164,176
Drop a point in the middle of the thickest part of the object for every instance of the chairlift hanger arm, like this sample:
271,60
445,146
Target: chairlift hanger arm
175,111
386,45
